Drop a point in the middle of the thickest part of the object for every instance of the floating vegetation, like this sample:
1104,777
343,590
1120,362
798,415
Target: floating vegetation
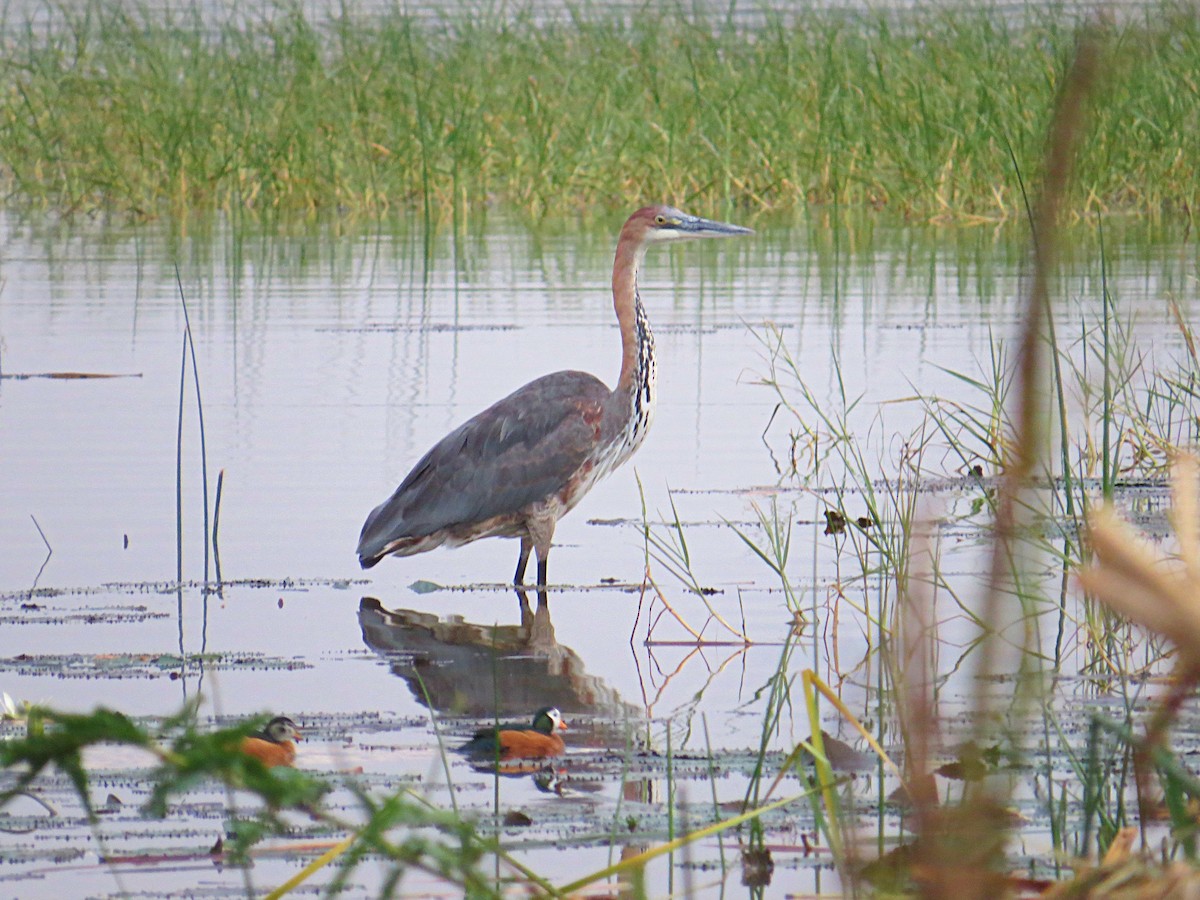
29,613
131,588
140,665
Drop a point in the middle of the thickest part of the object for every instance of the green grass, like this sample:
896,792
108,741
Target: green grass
1108,409
400,829
1057,419
146,113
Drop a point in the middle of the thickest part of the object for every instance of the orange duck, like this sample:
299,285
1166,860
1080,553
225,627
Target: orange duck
274,745
533,741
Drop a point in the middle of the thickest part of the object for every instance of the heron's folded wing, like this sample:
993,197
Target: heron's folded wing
520,450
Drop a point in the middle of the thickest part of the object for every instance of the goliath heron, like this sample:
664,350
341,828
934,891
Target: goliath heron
519,466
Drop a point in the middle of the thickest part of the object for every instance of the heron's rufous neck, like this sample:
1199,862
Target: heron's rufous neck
631,250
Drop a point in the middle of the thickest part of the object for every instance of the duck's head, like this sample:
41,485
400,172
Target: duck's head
548,720
281,729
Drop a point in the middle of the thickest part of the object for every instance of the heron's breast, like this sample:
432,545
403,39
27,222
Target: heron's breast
637,424
578,485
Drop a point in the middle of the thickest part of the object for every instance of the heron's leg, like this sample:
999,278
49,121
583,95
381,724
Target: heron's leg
541,535
523,559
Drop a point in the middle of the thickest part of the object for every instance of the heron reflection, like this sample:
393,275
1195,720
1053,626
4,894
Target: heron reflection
464,669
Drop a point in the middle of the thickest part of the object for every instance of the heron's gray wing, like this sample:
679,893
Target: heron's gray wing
519,450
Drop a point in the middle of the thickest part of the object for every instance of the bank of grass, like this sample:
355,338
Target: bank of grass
134,111
1041,520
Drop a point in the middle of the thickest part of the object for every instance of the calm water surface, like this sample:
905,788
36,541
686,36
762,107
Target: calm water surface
328,364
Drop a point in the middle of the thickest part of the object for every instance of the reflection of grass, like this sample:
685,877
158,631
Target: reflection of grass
134,110
189,350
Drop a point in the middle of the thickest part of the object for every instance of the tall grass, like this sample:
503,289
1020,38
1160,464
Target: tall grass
145,112
1061,425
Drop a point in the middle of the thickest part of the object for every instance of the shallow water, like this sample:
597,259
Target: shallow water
328,363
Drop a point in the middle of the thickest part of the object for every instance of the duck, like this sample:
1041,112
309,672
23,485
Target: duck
275,744
534,741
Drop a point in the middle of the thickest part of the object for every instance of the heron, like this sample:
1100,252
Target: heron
523,463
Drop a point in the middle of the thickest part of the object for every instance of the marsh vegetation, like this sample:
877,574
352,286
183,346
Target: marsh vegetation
928,113
860,623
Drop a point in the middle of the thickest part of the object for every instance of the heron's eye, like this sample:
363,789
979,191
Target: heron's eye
660,220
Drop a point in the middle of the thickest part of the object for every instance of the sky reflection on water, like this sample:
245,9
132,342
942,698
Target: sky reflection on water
329,363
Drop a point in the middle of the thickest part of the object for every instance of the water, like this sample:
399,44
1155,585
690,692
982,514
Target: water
328,363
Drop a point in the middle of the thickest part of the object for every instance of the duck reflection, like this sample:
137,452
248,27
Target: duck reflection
459,668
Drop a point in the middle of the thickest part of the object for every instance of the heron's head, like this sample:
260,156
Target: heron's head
281,729
659,224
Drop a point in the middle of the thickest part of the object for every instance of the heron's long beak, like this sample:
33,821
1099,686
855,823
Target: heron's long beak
694,226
